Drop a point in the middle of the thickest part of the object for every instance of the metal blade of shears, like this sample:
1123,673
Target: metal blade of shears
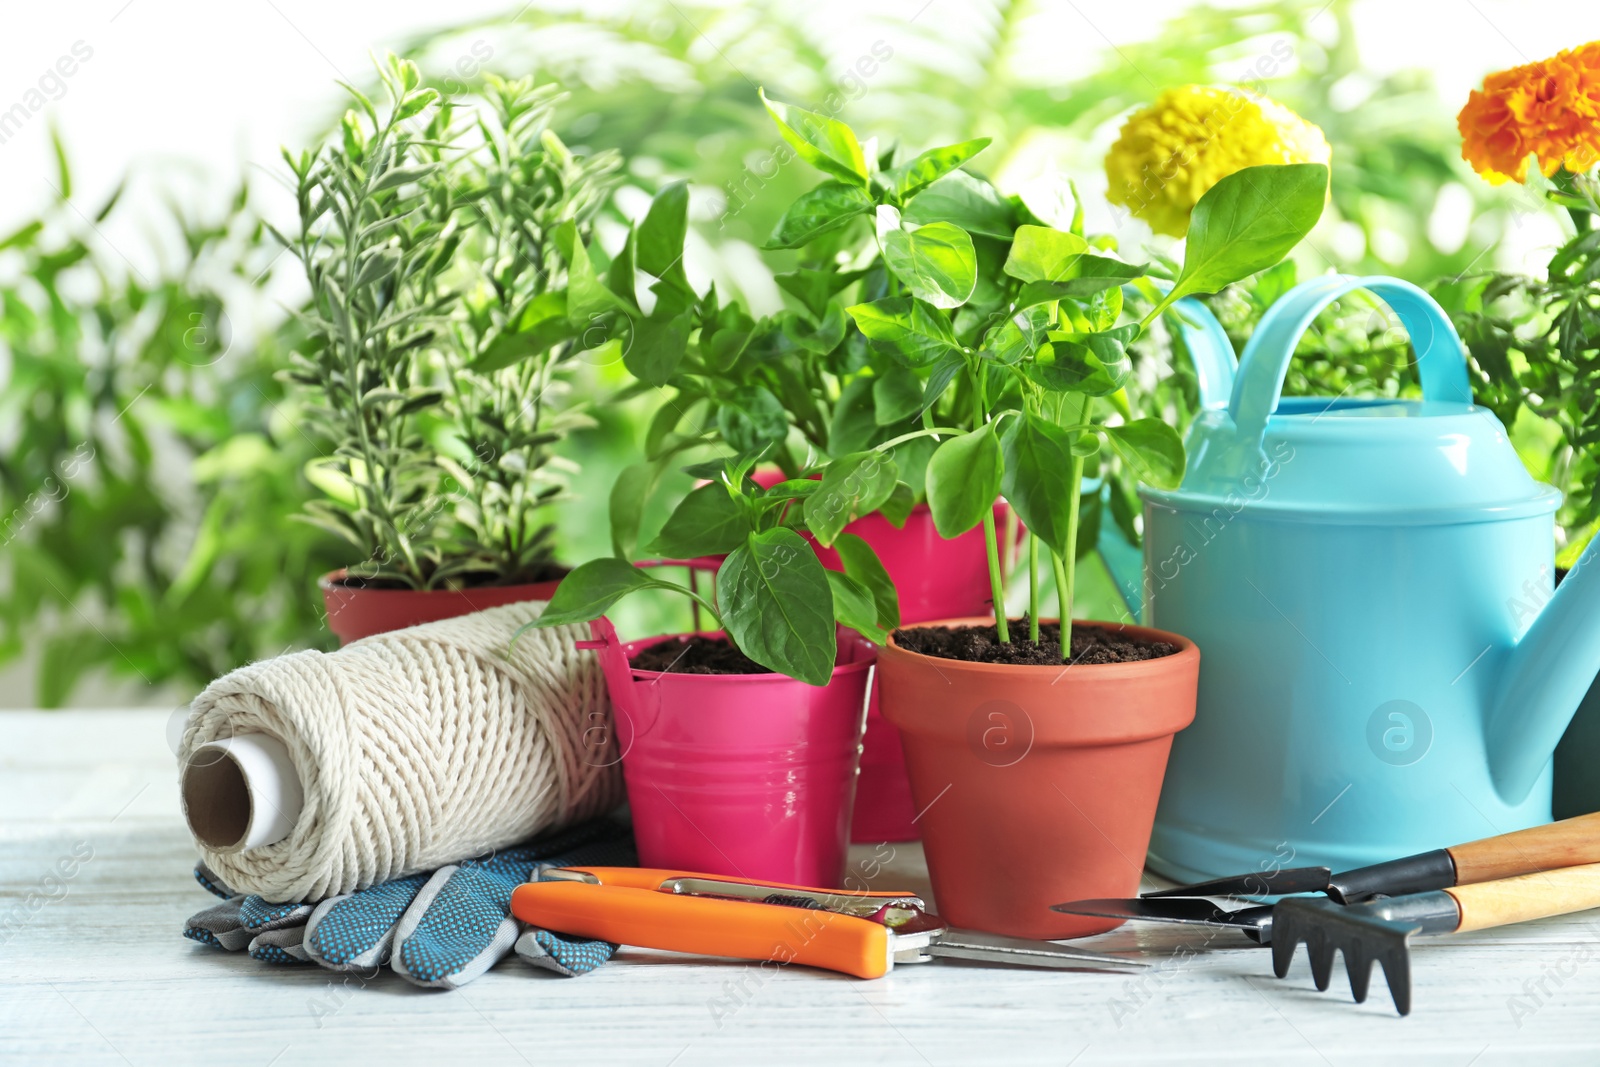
1254,922
1018,951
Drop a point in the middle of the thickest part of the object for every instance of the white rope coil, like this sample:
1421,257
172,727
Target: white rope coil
418,748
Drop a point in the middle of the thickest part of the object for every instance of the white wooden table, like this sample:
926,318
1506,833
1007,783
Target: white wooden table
95,885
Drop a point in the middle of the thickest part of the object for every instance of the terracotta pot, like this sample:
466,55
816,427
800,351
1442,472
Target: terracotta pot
1037,785
748,775
355,612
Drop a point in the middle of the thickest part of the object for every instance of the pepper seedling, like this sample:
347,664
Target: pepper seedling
1046,374
774,599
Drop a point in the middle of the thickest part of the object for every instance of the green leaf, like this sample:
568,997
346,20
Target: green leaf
824,209
814,288
1044,254
1247,222
619,275
395,177
63,171
896,396
1113,275
825,143
777,605
1018,337
725,340
910,329
543,325
590,591
854,607
897,509
22,236
821,339
657,347
862,564
937,262
628,495
964,480
751,418
709,522
1038,459
968,202
854,423
1151,449
1101,311
852,486
942,373
660,235
911,178
415,103
1096,366
586,296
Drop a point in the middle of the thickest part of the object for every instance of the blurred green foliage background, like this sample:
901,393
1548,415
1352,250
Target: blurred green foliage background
150,464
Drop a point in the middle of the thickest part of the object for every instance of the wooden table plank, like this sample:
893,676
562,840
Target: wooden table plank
94,888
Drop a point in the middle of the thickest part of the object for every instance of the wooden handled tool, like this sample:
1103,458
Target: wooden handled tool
1541,848
1567,843
1380,930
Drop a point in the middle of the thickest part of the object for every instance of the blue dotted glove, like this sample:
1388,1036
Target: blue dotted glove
439,930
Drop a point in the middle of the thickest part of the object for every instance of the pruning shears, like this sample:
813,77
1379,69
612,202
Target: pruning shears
862,934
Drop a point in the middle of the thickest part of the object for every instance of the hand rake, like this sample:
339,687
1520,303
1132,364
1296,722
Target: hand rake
1380,930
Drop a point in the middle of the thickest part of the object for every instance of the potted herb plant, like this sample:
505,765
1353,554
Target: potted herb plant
740,744
808,381
439,259
1036,749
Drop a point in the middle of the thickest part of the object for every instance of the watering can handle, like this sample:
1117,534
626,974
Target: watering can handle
1214,367
1209,348
1441,359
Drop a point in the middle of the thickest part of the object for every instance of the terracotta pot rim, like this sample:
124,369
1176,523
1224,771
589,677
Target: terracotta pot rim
840,670
1187,652
335,580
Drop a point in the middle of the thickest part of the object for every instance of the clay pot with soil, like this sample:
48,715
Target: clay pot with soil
1037,777
358,608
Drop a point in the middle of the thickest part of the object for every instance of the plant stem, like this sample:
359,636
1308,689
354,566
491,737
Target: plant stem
931,431
1033,588
1064,594
1069,564
997,587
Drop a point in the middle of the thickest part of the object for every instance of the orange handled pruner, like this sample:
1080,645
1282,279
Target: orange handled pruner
863,934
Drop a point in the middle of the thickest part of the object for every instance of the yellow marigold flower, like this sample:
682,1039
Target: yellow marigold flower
1549,110
1192,137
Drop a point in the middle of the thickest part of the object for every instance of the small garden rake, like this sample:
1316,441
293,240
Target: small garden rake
1380,930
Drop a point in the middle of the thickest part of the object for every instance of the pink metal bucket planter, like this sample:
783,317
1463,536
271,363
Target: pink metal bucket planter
751,775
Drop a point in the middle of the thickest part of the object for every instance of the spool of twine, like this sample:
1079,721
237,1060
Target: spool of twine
417,748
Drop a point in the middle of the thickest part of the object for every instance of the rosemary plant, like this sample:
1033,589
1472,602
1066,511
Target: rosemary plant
437,253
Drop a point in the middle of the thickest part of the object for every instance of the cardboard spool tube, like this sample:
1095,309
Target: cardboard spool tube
241,792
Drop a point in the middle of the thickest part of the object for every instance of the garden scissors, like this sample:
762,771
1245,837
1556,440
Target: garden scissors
861,934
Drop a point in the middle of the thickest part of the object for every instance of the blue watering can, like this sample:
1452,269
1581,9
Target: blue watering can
1386,667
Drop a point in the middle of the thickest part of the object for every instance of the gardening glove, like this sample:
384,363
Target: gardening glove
438,930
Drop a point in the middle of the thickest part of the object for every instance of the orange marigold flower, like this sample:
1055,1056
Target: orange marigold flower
1549,110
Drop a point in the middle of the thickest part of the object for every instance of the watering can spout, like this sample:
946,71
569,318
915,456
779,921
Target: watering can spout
1544,680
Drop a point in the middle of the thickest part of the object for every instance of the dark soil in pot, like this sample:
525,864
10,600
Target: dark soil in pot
696,655
982,644
549,572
